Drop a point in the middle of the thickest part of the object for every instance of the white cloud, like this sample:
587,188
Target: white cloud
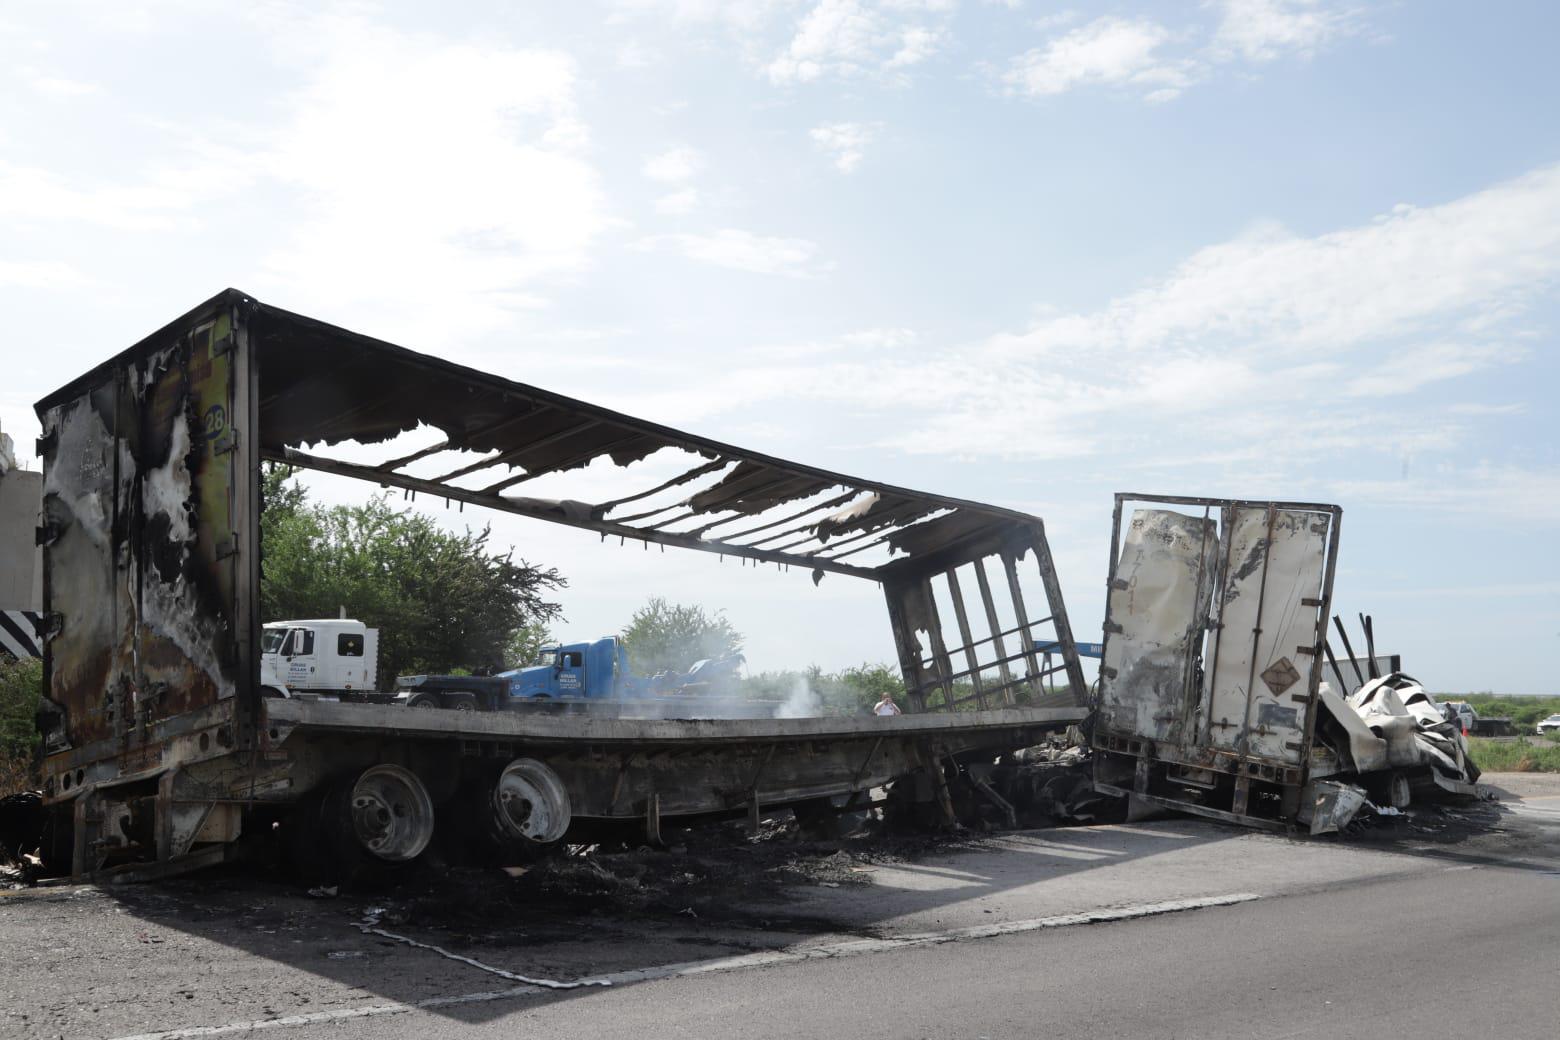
635,55
673,165
845,143
850,38
678,203
790,41
41,274
1316,344
411,183
1144,55
742,251
1512,493
880,338
1408,370
1108,51
916,44
1264,318
156,199
1482,408
1407,271
56,86
441,184
1263,30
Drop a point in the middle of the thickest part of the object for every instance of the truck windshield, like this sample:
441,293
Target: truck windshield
271,642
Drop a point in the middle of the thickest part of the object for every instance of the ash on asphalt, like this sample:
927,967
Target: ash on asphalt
712,875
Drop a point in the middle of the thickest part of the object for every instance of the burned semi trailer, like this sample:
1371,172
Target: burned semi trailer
162,753
1215,623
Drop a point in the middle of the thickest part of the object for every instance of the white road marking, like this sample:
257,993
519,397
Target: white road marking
1542,811
853,948
500,972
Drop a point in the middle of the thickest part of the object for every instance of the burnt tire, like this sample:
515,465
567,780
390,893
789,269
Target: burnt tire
361,826
319,849
817,819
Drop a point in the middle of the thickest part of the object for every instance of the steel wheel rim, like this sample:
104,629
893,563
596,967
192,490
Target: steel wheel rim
392,814
530,803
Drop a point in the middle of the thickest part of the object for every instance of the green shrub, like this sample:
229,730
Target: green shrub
1523,755
21,685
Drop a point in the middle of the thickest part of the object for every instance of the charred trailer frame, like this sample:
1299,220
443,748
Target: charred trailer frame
1215,622
159,744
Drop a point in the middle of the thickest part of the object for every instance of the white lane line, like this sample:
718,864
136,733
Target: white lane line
500,972
852,948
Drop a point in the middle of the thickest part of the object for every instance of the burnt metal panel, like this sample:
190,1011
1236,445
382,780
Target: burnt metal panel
929,663
149,536
1157,609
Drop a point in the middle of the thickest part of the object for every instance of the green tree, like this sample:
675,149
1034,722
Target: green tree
664,636
21,687
527,642
440,600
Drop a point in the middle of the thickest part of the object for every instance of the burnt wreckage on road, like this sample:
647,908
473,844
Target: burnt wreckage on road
1211,697
161,750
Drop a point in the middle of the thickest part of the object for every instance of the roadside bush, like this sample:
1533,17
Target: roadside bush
1523,755
21,685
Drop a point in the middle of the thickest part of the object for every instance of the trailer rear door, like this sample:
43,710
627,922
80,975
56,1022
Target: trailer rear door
1158,604
1265,666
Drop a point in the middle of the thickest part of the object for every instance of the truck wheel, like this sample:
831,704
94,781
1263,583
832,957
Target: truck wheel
424,700
1399,793
391,813
528,803
463,703
817,819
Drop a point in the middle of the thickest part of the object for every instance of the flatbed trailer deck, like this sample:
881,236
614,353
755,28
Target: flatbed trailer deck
622,768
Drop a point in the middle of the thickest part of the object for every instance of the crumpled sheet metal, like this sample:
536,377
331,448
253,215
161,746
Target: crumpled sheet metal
1392,723
1334,806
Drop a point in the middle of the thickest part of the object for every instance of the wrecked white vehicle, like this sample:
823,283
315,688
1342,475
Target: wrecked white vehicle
1386,741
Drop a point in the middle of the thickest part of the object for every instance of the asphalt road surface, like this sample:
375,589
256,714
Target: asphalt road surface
1174,928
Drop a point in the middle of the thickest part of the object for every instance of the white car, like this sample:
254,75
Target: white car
1549,725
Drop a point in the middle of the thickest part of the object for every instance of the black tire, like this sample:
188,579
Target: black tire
424,700
817,818
58,846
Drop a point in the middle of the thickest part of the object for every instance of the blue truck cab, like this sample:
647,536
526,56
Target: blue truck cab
569,673
573,671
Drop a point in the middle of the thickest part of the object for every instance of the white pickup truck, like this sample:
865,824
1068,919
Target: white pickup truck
325,658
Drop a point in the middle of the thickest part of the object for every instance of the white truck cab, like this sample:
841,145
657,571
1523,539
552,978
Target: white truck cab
327,657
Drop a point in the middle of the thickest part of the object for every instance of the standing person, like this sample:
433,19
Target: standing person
886,706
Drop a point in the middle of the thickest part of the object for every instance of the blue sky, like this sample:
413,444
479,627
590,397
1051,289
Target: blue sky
1025,253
